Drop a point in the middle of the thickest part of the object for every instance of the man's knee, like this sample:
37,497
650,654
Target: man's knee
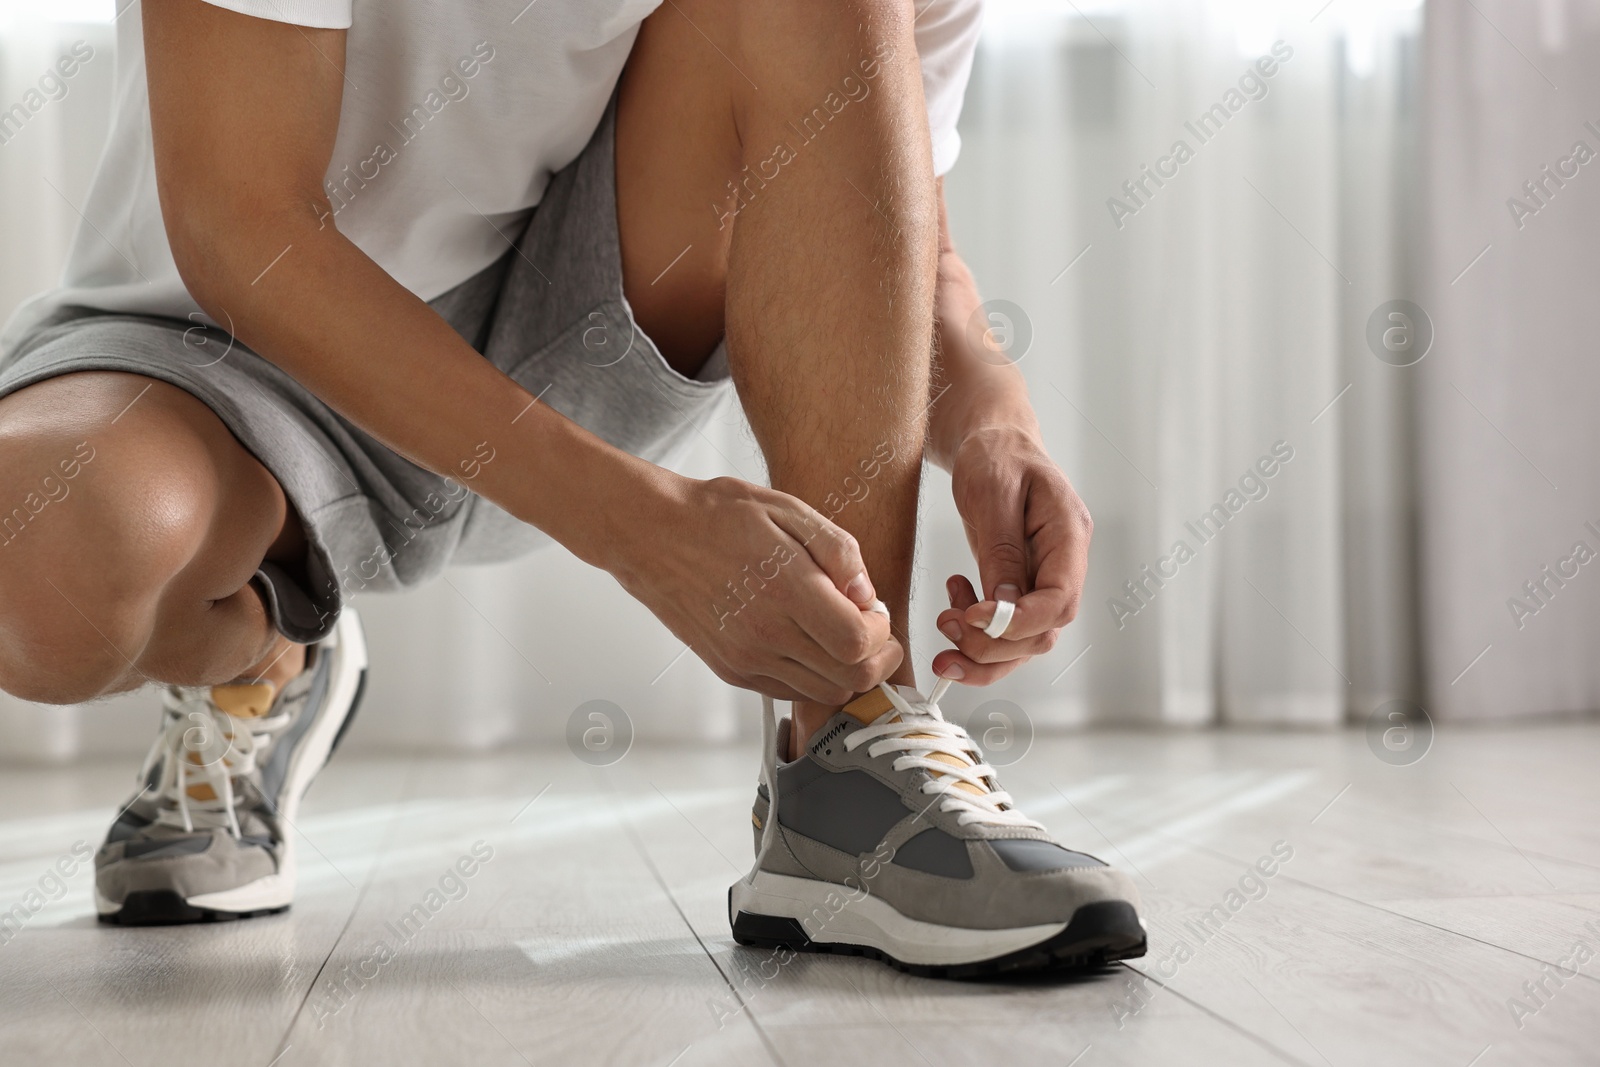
765,58
98,511
731,105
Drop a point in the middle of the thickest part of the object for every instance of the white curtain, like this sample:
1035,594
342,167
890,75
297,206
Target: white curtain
1183,331
1511,453
1225,316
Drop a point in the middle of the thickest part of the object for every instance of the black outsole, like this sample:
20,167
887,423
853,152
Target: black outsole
1098,934
164,907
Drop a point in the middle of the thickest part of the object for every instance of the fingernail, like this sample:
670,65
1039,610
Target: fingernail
859,589
953,672
952,630
1007,592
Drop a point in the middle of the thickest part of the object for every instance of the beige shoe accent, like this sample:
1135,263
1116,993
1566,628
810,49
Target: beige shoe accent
869,705
243,700
873,703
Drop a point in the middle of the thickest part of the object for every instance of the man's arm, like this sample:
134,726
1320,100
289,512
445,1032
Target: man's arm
244,113
1025,524
978,390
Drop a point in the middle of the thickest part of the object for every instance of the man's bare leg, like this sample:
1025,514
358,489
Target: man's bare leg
828,279
140,569
785,146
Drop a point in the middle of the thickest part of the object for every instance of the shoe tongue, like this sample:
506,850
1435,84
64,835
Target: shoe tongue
871,705
245,700
242,701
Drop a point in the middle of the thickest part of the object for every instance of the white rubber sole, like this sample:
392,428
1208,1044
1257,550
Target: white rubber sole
348,647
829,916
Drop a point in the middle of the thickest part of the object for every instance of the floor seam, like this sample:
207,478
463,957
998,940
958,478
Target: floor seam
283,1045
1219,1017
744,1007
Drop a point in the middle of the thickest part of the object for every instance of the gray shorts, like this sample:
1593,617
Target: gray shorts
551,314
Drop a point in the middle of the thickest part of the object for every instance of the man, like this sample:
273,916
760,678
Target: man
367,287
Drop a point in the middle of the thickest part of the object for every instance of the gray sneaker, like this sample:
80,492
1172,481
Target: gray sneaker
894,840
210,836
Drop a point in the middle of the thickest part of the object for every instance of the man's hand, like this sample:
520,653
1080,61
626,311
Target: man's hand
1026,525
1030,535
771,595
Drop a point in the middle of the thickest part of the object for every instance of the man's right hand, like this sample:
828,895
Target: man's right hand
771,595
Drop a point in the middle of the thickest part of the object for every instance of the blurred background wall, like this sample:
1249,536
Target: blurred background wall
1181,337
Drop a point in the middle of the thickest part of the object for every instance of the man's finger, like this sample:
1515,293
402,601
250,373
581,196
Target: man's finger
1042,610
1004,608
844,681
954,663
1061,548
796,669
846,632
833,549
962,595
1001,543
981,648
957,667
775,688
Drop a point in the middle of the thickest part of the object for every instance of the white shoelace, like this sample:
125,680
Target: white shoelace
936,734
919,729
204,745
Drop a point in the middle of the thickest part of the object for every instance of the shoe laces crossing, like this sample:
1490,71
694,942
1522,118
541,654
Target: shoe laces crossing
917,729
921,732
200,744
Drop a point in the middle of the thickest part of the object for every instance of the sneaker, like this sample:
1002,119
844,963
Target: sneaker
210,836
893,839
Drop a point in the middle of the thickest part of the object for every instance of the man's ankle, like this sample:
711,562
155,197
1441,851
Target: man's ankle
808,717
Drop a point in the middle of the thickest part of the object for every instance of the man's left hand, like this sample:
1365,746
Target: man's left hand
1030,535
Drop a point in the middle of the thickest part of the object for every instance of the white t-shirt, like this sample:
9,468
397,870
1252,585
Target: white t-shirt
455,115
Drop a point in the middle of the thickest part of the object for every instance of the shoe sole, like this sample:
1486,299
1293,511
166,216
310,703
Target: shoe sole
273,893
1097,934
164,907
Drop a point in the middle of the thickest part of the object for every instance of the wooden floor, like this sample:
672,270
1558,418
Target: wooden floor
1420,905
